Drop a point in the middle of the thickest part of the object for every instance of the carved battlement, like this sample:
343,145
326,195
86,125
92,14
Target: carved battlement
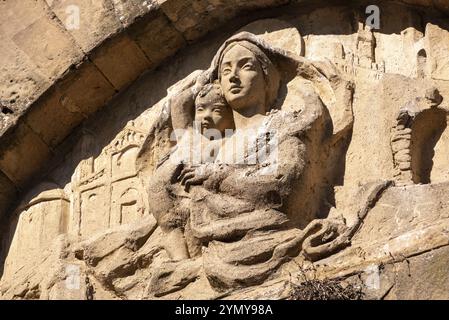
109,193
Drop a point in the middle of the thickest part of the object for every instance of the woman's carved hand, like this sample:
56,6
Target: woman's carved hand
190,176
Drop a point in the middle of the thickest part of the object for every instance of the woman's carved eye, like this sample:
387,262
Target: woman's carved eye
226,71
248,66
216,110
199,109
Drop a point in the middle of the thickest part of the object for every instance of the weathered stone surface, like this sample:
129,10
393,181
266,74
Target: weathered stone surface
157,37
86,90
129,11
89,22
194,19
43,218
121,61
21,82
346,177
51,120
36,50
48,47
438,44
406,221
34,31
27,148
416,277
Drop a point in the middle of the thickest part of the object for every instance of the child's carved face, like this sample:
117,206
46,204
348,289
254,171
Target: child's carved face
212,111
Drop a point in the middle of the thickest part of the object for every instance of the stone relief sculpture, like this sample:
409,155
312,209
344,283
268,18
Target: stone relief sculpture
109,183
412,159
243,219
271,155
167,198
46,212
240,188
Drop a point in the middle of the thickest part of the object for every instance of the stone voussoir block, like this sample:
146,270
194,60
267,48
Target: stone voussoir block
121,60
89,21
36,50
22,154
157,37
48,46
86,89
195,18
21,80
129,11
50,119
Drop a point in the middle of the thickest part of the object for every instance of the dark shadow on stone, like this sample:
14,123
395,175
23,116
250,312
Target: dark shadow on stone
426,131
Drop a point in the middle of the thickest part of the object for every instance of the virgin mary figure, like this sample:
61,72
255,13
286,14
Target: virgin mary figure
258,205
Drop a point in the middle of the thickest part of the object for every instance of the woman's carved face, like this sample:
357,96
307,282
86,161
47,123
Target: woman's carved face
242,78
